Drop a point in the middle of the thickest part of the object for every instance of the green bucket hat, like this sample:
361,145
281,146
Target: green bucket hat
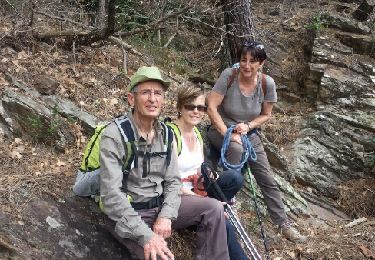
145,74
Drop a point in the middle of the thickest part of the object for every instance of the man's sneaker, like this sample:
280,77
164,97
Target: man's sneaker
291,233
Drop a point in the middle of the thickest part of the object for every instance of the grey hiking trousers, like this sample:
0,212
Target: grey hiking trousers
259,168
205,213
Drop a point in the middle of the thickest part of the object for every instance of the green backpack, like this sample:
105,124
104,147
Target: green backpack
177,135
87,182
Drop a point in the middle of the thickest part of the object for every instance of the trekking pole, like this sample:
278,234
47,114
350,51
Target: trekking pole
242,233
258,213
219,195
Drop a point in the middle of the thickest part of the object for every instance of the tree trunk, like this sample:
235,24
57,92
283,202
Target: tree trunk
101,15
106,22
239,24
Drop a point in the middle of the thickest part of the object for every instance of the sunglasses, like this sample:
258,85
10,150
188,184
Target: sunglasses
191,107
255,45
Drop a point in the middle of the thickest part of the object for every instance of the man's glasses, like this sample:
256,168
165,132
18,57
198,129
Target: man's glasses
255,45
191,107
149,92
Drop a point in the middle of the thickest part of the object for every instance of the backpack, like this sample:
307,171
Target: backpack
234,75
90,165
177,134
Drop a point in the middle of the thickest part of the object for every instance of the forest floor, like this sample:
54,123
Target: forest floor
90,78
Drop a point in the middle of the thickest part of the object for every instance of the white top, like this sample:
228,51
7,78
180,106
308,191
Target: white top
189,162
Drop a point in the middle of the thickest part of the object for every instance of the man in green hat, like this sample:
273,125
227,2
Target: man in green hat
143,199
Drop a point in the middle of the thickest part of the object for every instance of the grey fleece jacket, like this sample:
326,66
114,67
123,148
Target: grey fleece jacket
160,180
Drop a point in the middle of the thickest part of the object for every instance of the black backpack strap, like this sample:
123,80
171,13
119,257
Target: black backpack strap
126,128
128,136
168,140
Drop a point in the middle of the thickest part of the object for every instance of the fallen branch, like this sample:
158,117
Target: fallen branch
58,34
169,40
124,45
62,19
356,222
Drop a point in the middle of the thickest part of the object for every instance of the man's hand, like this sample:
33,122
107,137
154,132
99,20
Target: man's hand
157,246
163,227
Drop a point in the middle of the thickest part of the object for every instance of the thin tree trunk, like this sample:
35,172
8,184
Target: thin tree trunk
239,24
101,16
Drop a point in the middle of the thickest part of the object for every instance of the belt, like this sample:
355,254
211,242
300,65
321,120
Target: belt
152,203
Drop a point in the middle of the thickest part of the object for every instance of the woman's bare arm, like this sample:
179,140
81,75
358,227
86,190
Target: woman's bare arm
264,116
244,128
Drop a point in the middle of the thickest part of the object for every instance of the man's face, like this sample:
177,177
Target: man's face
147,99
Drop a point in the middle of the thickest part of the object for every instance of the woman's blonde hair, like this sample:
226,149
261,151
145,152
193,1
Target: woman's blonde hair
187,94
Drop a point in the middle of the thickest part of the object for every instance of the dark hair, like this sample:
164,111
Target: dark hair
187,95
256,50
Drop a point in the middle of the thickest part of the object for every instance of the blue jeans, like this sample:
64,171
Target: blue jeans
230,182
235,250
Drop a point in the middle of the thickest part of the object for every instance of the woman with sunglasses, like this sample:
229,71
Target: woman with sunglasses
191,110
244,97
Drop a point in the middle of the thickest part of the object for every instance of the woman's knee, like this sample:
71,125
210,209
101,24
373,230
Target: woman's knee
232,178
238,178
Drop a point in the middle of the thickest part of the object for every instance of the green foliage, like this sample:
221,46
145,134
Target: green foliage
53,128
42,130
134,14
316,24
35,122
169,58
129,16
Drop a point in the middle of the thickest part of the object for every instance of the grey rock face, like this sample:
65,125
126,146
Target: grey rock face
361,44
32,118
364,10
43,118
69,229
338,140
345,24
332,150
69,110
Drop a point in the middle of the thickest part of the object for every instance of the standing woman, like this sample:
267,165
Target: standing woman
238,99
191,109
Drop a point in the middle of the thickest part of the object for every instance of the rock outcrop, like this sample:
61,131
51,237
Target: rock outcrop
337,142
72,228
25,111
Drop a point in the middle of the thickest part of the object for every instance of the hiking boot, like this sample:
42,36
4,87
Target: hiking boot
292,234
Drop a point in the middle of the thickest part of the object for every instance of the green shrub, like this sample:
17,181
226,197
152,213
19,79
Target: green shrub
316,24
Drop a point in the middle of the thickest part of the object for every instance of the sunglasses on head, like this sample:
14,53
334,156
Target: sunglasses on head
191,107
255,45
